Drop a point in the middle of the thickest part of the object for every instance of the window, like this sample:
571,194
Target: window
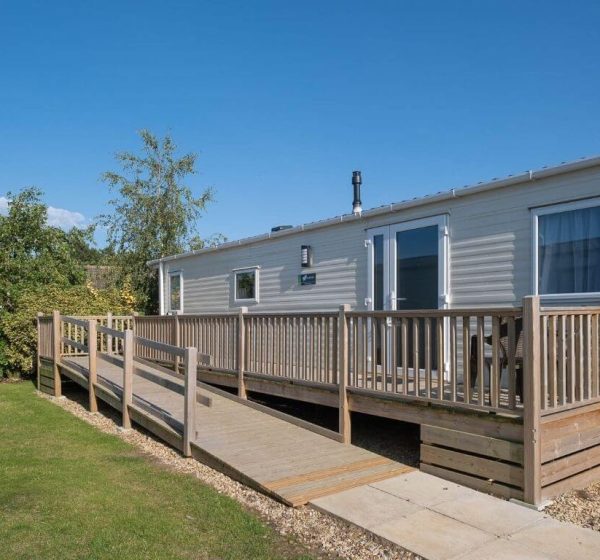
175,291
567,248
246,284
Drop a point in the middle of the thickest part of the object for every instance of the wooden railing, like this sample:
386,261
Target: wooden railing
212,335
74,330
299,346
570,357
469,357
473,358
84,337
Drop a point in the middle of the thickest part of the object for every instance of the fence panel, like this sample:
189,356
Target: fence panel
570,357
471,357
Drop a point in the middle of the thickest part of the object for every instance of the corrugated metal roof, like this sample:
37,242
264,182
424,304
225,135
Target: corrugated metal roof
546,171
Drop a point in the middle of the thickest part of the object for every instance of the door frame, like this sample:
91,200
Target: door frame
390,252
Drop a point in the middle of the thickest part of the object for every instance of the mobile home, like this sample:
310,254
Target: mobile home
486,245
474,313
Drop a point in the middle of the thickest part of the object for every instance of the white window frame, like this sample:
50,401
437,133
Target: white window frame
555,209
173,273
256,298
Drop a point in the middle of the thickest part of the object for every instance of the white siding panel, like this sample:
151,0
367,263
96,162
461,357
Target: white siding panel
490,253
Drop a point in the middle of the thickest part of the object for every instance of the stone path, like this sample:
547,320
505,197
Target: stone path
439,520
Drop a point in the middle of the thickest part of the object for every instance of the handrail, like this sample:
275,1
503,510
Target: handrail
455,312
74,321
267,314
559,311
175,350
112,332
74,344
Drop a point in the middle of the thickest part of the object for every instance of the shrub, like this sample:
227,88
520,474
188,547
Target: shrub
18,336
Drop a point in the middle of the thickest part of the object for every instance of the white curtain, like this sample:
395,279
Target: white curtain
569,251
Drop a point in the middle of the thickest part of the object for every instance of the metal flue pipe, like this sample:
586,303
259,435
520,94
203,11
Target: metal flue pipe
356,183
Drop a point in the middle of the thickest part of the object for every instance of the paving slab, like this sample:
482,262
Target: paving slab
488,513
366,507
440,520
562,541
423,489
433,535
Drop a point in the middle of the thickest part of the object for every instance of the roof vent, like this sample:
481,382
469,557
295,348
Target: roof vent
280,228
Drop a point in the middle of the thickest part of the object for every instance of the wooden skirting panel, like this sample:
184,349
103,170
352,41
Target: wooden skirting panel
570,450
484,424
46,376
485,463
277,387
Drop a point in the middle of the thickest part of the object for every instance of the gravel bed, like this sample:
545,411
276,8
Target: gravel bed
581,507
324,535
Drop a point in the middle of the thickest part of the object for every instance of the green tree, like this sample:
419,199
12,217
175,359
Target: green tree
154,212
33,253
41,269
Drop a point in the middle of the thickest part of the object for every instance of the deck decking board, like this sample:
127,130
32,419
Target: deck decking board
283,459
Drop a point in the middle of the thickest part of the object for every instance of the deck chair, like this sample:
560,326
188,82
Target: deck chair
504,356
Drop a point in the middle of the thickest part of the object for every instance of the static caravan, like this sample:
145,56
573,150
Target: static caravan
474,313
487,245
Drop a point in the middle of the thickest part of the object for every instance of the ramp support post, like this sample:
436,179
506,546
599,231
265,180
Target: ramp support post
241,353
92,377
189,403
56,350
344,410
127,378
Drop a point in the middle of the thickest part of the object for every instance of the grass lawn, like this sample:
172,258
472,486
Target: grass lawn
70,491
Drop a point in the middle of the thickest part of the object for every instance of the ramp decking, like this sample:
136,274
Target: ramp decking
244,440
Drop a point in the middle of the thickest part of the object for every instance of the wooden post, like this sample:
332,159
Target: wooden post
532,460
241,353
127,378
189,403
176,338
134,315
38,362
56,346
344,410
109,338
92,354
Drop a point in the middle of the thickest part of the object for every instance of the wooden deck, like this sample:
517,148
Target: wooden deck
241,439
515,412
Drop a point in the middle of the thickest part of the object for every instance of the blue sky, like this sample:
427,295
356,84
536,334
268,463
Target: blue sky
282,100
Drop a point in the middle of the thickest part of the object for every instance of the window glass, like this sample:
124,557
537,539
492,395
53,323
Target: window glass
378,272
175,292
569,251
245,285
417,268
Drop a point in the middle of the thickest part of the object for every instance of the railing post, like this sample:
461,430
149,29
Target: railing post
127,378
38,362
531,400
189,403
241,353
92,354
56,347
109,338
176,337
344,410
